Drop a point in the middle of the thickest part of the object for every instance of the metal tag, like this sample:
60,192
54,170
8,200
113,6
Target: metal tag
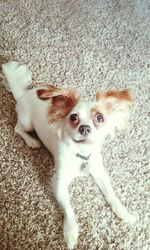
84,165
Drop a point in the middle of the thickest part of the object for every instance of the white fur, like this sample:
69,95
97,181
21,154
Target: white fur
32,114
18,78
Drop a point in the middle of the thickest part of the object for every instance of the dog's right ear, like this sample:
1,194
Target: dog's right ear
49,92
62,101
60,97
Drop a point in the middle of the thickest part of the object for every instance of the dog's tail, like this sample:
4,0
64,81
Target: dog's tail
18,78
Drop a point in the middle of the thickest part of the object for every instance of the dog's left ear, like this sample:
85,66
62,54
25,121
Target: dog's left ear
116,105
113,98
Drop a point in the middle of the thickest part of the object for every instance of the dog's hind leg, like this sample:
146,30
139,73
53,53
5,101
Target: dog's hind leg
23,126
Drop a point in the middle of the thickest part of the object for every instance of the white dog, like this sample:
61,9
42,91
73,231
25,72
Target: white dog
73,131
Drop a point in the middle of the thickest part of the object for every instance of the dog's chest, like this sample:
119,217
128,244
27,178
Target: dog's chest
75,161
82,166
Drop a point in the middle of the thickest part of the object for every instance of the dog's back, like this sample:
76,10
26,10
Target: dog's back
31,111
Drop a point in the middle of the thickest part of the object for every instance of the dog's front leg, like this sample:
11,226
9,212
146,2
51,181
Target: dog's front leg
60,184
102,180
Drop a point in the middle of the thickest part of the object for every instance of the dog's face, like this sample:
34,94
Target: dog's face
87,122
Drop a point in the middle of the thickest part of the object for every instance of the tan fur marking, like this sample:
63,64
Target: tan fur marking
123,95
63,100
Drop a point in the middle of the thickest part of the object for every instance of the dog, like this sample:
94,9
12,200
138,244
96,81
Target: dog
73,131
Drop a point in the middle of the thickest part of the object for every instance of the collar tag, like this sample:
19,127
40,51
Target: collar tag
84,165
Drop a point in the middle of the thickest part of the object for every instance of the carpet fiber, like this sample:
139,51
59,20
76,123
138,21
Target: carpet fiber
97,44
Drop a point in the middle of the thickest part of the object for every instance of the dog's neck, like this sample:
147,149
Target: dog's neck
82,149
85,158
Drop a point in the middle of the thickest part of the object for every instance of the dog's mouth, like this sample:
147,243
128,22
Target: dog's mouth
83,141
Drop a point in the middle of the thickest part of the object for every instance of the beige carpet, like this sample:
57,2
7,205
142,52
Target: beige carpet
89,44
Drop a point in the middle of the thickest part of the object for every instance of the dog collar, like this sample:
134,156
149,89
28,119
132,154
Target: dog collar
83,157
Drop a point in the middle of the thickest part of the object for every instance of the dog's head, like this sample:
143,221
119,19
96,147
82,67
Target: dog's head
87,122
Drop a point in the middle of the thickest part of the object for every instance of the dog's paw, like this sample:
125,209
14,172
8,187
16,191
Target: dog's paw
33,143
130,219
71,234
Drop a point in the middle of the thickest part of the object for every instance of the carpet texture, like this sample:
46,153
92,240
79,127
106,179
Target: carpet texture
97,44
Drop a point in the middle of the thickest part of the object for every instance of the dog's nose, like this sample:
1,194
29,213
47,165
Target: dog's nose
85,129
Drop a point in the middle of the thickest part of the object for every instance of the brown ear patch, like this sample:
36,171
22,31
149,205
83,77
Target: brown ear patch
115,106
62,101
123,95
49,92
42,94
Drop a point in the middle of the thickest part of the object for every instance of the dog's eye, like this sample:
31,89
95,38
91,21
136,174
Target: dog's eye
74,118
99,118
